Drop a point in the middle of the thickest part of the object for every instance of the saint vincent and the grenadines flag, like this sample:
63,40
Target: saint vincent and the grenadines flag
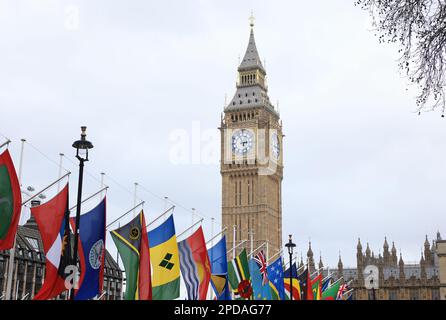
10,201
239,276
195,266
91,251
165,261
52,220
133,247
219,268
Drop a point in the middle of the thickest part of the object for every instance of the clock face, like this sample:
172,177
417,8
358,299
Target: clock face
242,141
275,145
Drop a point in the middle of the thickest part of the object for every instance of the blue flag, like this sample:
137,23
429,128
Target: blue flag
275,277
219,269
91,252
260,291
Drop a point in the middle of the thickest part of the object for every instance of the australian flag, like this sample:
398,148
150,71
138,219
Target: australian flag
91,252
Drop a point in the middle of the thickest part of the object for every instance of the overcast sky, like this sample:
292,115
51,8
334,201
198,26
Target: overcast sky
358,161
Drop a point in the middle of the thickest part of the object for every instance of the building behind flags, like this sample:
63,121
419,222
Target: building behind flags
219,269
195,266
52,220
275,278
10,201
239,277
133,246
91,251
165,261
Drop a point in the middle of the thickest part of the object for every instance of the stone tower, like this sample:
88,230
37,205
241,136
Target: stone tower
251,160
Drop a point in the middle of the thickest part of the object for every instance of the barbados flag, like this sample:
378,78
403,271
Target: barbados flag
165,261
91,252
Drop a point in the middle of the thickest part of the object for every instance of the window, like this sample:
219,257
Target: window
34,243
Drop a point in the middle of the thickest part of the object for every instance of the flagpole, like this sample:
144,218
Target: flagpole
223,231
123,215
250,255
134,200
60,170
233,240
12,250
243,241
90,197
278,253
5,143
212,244
161,215
198,222
45,189
102,180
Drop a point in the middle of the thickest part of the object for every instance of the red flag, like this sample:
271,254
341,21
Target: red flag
10,201
50,218
309,295
145,279
200,255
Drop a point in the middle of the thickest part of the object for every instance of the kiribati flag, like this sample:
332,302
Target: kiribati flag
91,251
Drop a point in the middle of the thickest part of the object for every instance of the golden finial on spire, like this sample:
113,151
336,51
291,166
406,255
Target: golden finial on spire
252,19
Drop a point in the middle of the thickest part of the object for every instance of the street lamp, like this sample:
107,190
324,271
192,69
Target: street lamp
290,245
82,146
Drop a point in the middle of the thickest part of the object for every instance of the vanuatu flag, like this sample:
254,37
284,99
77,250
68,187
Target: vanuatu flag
91,252
133,247
195,266
275,277
239,277
10,201
165,261
219,267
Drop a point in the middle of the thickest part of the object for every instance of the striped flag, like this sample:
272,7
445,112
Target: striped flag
239,277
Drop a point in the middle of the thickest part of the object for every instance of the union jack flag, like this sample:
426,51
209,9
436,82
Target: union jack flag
260,259
342,289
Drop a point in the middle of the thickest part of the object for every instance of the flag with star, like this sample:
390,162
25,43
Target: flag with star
259,277
275,279
239,277
332,292
316,285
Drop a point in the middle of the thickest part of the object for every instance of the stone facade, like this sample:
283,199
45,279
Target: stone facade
398,280
252,178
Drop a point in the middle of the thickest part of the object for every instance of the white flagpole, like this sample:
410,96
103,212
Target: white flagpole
60,170
134,199
233,241
212,244
12,250
102,181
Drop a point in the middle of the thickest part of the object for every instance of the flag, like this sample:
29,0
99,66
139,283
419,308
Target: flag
342,289
10,201
133,247
275,278
258,271
332,292
91,251
316,284
326,284
219,268
309,288
239,277
296,285
195,266
165,261
52,220
303,279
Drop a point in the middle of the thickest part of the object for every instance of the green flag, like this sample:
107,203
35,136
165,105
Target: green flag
239,277
10,201
331,292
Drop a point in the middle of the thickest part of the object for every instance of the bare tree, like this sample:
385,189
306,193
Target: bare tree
419,27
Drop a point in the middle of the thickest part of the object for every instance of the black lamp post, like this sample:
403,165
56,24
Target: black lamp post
82,146
290,245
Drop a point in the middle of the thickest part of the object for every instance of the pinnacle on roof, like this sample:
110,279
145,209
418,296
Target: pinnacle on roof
251,60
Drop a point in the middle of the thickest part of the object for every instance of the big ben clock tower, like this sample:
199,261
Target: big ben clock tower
251,161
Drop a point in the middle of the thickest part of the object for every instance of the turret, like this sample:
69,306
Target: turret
340,267
394,258
401,265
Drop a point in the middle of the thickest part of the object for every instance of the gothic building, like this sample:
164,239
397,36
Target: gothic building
397,280
251,160
29,268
